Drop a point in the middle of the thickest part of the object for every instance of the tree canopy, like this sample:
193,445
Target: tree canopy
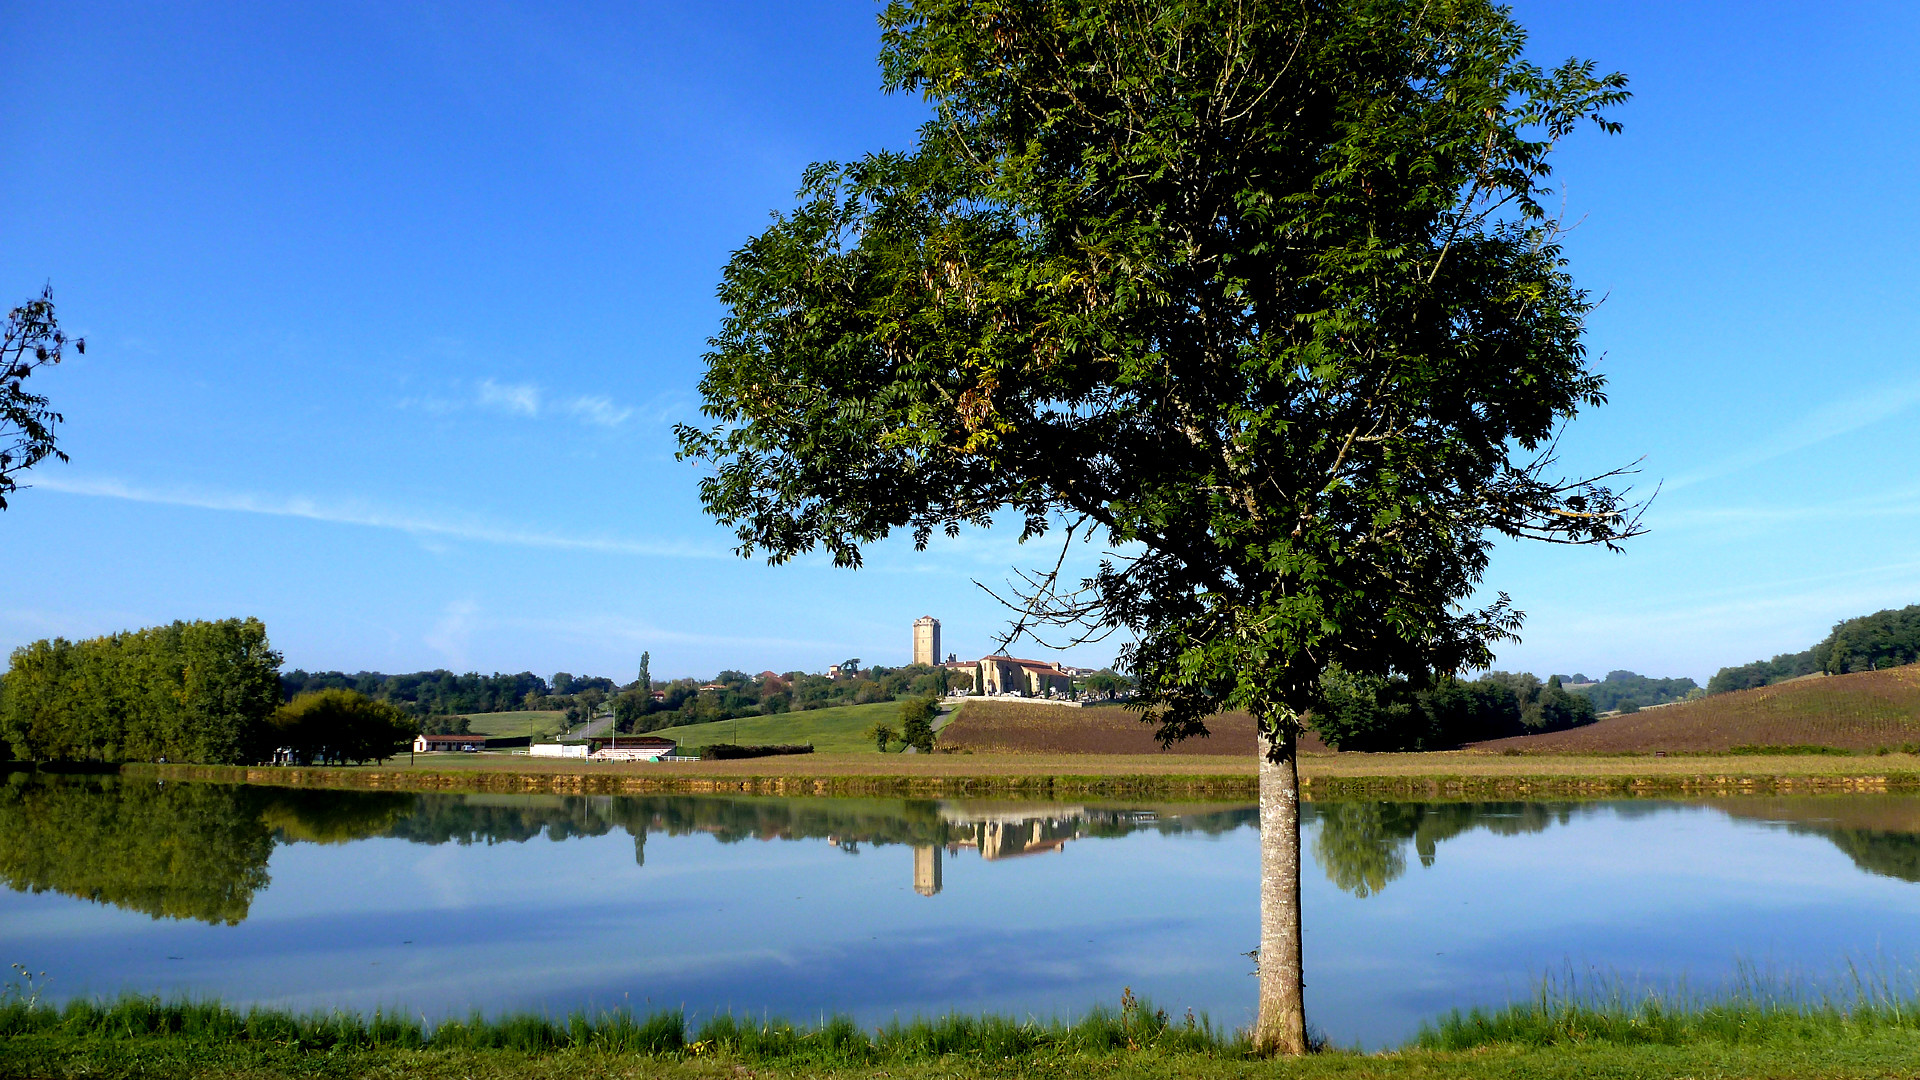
340,725
32,340
1265,293
189,691
1262,297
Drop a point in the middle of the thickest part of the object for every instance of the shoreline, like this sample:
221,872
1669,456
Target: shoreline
1455,775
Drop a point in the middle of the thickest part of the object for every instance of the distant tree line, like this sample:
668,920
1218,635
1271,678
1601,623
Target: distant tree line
1624,691
1884,639
433,693
734,694
1374,714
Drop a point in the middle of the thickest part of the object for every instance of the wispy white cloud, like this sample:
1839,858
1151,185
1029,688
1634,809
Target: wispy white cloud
520,398
1829,421
1898,503
418,525
529,400
599,410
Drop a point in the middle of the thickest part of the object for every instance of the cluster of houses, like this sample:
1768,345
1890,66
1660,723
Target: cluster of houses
996,675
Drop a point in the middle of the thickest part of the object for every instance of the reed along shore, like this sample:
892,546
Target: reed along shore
1743,1034
1454,775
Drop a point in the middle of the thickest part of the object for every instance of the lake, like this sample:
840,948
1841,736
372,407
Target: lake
443,904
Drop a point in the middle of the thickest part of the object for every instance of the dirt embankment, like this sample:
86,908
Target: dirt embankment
1866,710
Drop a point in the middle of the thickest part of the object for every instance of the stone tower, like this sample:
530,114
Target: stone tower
926,869
926,641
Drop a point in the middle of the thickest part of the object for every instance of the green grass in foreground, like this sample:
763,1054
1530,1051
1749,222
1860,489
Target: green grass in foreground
831,731
508,724
1744,1035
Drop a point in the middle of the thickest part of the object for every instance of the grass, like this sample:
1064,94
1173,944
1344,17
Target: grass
1756,1010
1865,711
508,724
1557,1035
837,730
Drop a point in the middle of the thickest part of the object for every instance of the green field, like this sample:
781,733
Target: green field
831,731
516,723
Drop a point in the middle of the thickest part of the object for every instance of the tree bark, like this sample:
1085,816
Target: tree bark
1280,1027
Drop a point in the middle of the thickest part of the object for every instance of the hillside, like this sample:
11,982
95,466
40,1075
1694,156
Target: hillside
831,731
1862,711
522,722
1010,727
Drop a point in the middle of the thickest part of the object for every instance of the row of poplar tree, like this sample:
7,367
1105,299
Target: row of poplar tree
203,692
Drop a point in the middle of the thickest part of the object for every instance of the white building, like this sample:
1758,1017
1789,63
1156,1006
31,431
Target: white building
634,748
560,750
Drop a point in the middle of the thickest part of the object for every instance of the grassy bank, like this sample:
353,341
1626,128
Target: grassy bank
1737,1038
1461,775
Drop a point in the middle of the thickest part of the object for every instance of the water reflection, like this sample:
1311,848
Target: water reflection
180,851
1880,833
1361,846
880,908
201,851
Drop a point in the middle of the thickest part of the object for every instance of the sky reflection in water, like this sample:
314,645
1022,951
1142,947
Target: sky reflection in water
442,904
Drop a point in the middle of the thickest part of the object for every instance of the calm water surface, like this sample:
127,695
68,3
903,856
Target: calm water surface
444,904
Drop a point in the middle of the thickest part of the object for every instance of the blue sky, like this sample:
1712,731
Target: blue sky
390,309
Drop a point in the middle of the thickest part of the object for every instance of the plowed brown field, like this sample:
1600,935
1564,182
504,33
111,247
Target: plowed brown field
1863,711
1010,727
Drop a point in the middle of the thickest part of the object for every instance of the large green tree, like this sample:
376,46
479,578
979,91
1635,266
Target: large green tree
1261,296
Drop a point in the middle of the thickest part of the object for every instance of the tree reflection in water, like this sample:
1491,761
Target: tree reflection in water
179,851
1880,833
200,851
1361,846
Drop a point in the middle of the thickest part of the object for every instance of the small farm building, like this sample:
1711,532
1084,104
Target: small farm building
426,743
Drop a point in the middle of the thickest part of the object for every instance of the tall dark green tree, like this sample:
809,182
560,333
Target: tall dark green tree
32,340
340,725
1261,296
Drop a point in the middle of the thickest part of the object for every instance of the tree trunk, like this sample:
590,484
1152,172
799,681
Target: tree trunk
1280,1027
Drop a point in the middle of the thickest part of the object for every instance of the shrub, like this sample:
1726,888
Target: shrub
726,751
916,723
